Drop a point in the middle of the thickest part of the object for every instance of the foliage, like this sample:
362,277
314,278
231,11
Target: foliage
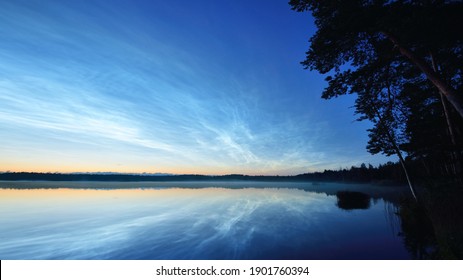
399,57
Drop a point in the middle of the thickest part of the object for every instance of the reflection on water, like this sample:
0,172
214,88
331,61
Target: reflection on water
52,220
417,231
349,200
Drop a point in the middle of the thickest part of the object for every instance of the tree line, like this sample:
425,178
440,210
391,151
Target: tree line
389,173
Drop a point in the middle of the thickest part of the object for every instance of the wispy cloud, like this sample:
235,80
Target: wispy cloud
95,76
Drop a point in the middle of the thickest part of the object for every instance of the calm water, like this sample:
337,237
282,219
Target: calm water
222,220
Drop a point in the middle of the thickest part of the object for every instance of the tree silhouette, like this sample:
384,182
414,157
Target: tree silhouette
357,33
404,60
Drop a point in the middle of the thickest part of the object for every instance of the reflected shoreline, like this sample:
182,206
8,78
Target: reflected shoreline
392,194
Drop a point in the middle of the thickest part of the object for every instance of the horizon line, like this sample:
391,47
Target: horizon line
179,174
150,174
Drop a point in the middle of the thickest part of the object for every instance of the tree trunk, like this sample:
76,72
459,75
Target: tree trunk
444,105
454,158
450,93
397,151
402,163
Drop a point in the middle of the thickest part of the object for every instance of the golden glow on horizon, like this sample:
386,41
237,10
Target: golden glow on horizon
54,168
44,168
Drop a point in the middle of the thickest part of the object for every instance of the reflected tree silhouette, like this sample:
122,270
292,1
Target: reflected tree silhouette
350,200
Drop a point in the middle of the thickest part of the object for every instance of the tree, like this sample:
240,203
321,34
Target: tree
413,31
429,141
378,90
399,57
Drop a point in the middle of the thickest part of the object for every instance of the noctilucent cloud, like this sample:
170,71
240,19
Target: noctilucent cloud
210,87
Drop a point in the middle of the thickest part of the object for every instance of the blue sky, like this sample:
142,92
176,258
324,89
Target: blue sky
211,87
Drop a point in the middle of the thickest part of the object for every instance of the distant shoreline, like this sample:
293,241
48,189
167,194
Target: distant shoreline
60,177
145,178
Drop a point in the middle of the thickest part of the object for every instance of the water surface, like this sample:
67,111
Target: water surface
196,220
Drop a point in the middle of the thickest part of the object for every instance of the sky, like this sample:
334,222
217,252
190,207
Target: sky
203,87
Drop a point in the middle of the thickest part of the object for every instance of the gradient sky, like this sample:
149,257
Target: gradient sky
204,86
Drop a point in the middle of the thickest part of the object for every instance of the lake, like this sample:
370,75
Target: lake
199,220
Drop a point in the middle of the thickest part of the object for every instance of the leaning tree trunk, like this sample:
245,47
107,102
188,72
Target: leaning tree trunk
450,93
444,106
404,167
454,157
402,163
397,151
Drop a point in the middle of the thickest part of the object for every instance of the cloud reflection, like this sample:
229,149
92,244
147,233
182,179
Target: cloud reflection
184,223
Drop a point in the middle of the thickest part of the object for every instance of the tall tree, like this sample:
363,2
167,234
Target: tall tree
413,31
379,90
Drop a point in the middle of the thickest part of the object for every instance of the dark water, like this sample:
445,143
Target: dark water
222,220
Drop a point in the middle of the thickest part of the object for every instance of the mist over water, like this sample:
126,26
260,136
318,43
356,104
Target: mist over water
190,221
